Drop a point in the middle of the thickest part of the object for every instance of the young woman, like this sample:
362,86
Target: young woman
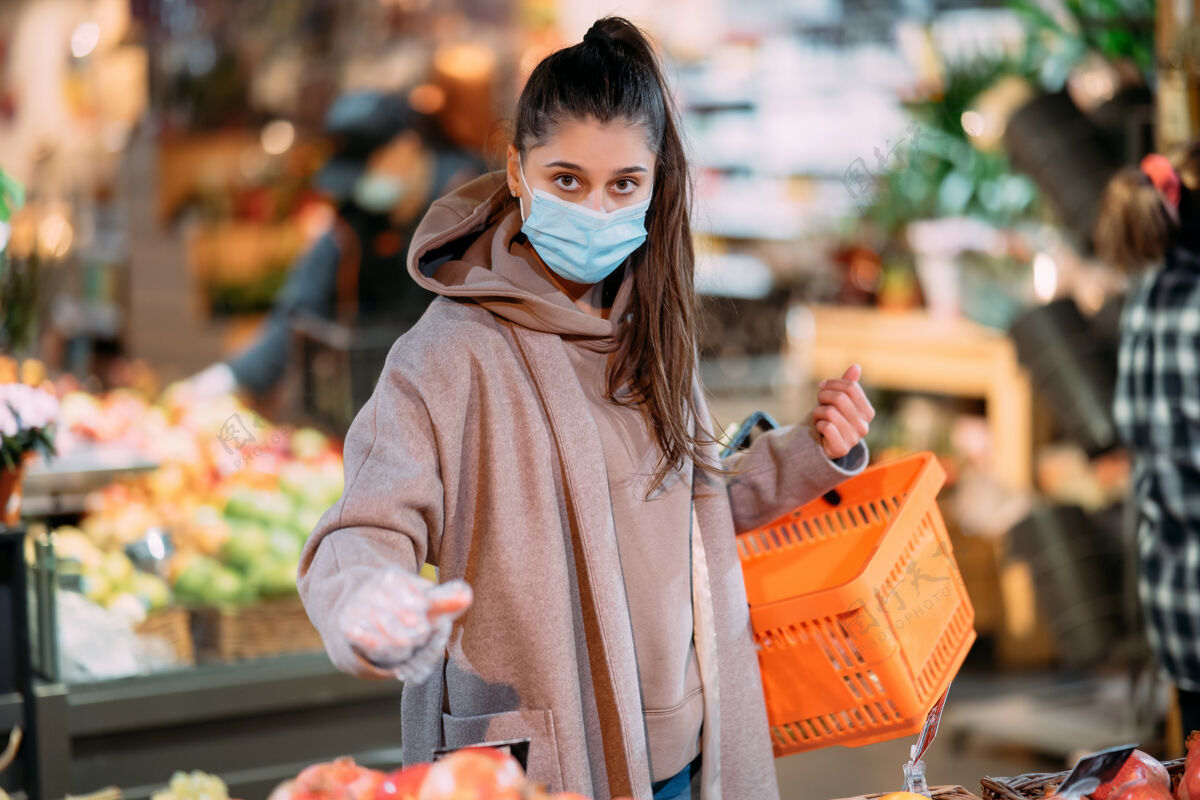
1149,224
541,437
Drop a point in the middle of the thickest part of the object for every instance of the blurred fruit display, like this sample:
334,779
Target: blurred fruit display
475,773
237,496
220,523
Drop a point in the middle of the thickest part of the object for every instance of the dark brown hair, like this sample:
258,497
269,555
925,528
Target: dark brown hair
1134,228
613,74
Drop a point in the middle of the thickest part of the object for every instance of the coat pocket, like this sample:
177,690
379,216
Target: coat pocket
532,724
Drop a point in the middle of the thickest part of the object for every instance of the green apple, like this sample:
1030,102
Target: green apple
97,587
118,568
246,547
276,578
309,443
242,504
274,508
151,590
304,520
227,588
193,580
284,545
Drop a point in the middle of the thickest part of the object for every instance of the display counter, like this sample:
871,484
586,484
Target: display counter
255,723
161,558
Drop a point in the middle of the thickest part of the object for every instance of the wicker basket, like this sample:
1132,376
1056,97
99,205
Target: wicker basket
269,628
938,792
1043,784
172,625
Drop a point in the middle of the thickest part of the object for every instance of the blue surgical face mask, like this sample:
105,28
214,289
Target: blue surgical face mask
378,193
580,244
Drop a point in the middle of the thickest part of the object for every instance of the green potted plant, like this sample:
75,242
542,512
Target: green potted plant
27,425
27,414
18,277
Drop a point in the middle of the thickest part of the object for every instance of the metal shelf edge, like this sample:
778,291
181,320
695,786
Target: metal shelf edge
12,711
212,692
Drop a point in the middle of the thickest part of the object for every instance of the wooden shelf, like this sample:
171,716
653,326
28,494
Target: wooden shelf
912,351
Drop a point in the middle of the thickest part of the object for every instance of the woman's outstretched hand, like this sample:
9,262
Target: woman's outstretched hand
401,622
843,414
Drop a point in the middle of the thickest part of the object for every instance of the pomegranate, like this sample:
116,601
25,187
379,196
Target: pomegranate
1144,789
1139,766
1189,785
476,773
283,791
403,784
338,780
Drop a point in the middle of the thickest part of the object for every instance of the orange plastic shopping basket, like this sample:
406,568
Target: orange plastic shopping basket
860,616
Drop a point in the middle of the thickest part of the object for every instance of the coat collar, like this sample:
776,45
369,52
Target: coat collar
602,590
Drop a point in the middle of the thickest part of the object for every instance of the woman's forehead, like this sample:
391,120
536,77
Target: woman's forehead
594,146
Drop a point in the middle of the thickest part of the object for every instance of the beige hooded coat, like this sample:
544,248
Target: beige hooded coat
477,453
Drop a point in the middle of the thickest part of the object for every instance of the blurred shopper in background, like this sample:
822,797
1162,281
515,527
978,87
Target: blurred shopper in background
390,163
1149,225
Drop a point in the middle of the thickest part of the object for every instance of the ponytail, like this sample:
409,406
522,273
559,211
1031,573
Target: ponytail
1134,227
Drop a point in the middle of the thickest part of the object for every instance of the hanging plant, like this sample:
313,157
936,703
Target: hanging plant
1119,30
18,276
940,172
12,196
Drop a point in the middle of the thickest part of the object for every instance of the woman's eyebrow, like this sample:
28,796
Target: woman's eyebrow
576,168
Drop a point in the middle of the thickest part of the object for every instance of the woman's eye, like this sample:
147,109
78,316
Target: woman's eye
624,186
566,182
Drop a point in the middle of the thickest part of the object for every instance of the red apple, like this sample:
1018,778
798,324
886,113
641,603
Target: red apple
1189,785
1143,789
338,780
284,791
403,784
477,773
1139,766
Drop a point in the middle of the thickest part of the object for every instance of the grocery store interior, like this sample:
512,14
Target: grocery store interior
907,185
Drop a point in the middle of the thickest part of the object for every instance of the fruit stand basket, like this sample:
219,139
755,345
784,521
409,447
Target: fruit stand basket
860,615
1037,785
172,625
938,793
268,628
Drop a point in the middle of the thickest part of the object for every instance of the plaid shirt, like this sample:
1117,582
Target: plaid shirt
1157,411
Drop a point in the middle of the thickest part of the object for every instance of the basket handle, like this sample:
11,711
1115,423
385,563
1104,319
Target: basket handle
741,439
350,248
764,422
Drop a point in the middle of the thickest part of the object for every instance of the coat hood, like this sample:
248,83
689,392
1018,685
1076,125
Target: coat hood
469,246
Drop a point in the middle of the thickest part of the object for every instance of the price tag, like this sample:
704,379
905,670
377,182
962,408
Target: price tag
517,748
1091,771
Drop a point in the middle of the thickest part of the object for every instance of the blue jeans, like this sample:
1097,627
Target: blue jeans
680,786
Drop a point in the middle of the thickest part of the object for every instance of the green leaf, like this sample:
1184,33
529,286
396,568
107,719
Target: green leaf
955,193
1038,15
11,189
1110,8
